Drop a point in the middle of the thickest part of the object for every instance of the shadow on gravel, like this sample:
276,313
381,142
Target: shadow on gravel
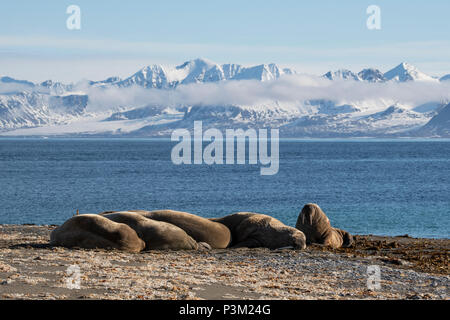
31,246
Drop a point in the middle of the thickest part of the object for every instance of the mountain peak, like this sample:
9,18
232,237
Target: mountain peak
6,79
406,65
201,70
371,75
406,72
341,74
197,63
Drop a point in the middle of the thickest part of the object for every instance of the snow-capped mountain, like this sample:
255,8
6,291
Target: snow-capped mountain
15,81
342,74
445,78
371,75
439,125
55,88
200,71
261,72
406,72
148,77
106,82
393,121
54,108
23,110
32,109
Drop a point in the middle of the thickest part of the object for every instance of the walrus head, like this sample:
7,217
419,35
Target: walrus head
312,215
316,226
299,240
313,222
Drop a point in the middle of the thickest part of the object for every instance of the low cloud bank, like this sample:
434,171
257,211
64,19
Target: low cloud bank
287,89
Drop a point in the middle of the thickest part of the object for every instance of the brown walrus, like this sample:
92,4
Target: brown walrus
157,235
253,230
316,226
93,231
201,229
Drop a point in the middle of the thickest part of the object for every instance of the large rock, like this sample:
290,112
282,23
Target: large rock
255,230
314,223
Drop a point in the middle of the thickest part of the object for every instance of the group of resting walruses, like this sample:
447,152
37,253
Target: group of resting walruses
138,230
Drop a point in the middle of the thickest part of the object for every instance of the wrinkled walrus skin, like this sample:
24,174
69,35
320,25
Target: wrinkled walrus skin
201,229
314,223
254,230
157,235
92,231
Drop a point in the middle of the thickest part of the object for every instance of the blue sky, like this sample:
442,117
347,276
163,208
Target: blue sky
119,37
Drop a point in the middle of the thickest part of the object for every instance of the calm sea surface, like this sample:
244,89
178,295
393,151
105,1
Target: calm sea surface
378,187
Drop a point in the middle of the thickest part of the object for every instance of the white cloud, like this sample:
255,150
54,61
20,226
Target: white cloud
292,89
288,89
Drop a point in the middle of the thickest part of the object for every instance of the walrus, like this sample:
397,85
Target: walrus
314,223
253,230
157,235
92,231
201,229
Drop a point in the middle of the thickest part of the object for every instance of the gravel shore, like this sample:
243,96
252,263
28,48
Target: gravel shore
409,269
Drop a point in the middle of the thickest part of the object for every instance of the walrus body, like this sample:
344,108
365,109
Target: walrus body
253,230
316,226
201,229
157,235
93,231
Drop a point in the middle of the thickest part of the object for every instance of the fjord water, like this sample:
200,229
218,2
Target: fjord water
365,186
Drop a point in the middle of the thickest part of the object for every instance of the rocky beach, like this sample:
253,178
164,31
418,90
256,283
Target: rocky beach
409,268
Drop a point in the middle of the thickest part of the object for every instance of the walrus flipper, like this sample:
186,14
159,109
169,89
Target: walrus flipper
347,238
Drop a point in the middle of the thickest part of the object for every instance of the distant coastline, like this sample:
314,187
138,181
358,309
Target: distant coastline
168,139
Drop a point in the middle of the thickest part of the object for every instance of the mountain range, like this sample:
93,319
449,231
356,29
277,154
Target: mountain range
57,109
404,72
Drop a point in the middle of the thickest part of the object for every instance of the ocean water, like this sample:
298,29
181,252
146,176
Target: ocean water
366,186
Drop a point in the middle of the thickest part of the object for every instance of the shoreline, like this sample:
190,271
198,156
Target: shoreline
410,268
281,139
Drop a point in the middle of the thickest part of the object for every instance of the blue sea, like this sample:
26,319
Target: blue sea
364,186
